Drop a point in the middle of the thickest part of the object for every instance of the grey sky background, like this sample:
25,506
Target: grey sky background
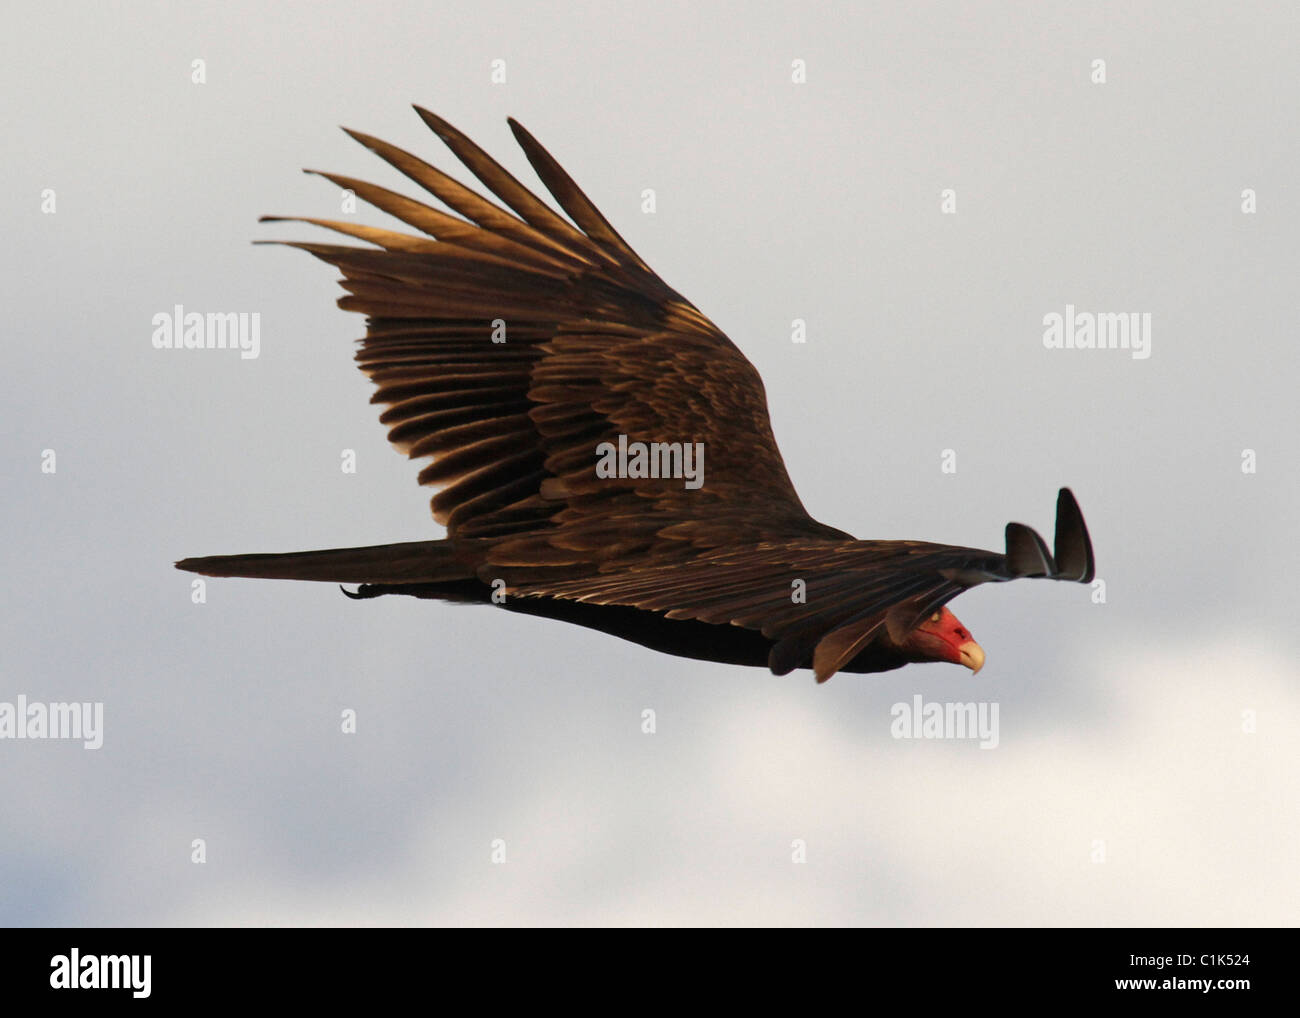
1120,722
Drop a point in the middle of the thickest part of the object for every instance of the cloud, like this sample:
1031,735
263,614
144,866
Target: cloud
1197,818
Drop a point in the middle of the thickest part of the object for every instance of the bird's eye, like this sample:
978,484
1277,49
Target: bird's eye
934,617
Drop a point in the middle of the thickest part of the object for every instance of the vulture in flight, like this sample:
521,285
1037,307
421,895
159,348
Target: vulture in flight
554,382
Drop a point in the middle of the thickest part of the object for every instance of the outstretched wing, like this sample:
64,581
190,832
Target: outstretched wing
821,602
508,344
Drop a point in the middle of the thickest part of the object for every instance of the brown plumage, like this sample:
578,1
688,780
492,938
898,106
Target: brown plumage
596,346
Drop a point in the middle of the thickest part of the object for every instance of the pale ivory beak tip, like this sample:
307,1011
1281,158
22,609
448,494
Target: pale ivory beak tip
972,655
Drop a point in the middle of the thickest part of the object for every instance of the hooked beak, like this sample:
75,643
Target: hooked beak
972,655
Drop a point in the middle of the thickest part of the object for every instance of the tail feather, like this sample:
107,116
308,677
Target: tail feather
408,562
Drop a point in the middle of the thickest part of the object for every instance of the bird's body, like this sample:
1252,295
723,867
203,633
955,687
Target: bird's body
526,356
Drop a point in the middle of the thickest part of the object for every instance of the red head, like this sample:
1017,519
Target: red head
942,637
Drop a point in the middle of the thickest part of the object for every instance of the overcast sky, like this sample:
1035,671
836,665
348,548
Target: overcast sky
1146,769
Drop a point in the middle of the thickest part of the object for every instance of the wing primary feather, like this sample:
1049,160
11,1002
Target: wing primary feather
571,197
1027,553
1072,545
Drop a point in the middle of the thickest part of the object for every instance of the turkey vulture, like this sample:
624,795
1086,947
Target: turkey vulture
518,350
